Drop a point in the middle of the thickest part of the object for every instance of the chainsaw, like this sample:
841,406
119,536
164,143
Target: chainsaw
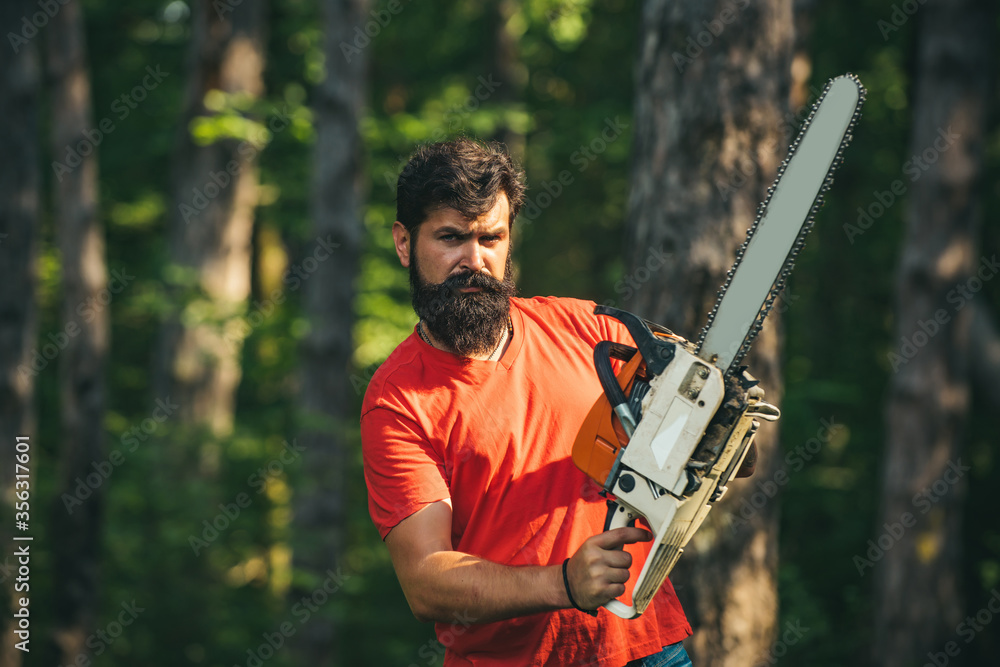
674,425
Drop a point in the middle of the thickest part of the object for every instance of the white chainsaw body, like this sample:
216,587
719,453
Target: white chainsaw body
682,402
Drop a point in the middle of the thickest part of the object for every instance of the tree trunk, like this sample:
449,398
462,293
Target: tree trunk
509,72
211,224
801,69
80,238
326,394
984,347
712,90
20,182
918,601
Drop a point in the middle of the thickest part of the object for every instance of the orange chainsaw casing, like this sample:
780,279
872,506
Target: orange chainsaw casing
601,435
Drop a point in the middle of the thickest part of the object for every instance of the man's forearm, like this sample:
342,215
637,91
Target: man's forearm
451,583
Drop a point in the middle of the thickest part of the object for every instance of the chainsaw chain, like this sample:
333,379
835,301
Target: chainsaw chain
786,268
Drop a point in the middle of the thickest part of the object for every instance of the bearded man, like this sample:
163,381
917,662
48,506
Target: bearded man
467,431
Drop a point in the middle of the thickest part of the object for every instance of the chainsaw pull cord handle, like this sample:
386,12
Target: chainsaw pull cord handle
603,352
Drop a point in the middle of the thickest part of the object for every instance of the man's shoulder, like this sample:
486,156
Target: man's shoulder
556,306
401,363
577,316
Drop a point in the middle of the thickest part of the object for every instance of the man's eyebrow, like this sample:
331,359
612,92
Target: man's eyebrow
448,229
464,233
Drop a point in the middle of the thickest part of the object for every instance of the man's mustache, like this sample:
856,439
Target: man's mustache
472,279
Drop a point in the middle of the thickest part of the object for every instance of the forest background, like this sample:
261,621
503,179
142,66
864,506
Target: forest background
198,282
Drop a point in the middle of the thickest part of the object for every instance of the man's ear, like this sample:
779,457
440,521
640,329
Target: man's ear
402,238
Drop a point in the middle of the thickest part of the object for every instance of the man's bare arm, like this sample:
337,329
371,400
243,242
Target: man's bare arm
441,583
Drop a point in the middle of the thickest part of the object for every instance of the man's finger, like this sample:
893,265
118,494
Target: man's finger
617,576
612,539
618,558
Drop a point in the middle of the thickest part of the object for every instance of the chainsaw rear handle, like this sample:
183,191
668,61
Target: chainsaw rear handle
619,516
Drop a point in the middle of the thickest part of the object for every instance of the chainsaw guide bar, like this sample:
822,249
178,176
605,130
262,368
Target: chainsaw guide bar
676,422
783,220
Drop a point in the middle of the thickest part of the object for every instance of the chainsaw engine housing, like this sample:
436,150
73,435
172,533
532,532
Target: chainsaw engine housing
690,428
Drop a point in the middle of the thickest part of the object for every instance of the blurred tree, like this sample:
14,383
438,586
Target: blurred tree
803,14
984,346
918,598
712,93
511,75
215,191
320,512
20,183
83,335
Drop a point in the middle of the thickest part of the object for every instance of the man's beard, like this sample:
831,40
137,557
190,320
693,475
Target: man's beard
470,323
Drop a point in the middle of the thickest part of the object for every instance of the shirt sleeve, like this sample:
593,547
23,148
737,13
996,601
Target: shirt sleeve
403,471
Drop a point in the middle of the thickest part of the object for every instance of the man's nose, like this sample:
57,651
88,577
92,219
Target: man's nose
473,257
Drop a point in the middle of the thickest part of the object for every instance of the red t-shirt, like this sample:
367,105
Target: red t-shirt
496,438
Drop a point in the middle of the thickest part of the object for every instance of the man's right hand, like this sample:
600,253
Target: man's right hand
598,570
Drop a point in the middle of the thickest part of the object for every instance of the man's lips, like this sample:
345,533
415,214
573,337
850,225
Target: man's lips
470,289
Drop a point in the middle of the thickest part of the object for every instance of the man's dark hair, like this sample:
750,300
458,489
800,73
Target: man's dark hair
461,174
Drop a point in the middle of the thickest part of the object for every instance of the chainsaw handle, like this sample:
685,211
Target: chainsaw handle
619,516
603,353
655,350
